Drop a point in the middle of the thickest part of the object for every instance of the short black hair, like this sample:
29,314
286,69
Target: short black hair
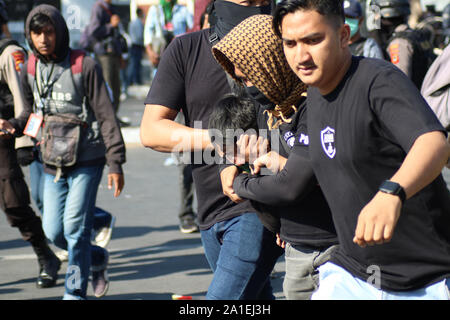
333,9
232,112
39,21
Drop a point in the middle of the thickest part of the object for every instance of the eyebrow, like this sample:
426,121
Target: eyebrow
309,36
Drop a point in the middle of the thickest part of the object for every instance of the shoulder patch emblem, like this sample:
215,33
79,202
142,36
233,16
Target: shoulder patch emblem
394,53
19,59
289,138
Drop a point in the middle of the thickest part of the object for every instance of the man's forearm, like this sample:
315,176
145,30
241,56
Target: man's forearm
160,132
423,163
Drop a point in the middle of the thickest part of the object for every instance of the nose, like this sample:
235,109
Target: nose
42,38
302,54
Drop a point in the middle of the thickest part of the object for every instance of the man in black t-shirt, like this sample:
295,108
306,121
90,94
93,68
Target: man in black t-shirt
377,151
240,251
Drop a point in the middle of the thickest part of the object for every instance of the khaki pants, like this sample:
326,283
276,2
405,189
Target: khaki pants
302,276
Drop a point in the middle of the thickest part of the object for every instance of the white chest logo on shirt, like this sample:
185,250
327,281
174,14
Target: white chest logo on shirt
327,139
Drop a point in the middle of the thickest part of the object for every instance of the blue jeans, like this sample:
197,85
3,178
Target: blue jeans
135,66
37,183
336,283
102,218
242,254
68,221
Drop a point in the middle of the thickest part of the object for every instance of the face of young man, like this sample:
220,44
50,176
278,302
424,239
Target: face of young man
45,40
315,48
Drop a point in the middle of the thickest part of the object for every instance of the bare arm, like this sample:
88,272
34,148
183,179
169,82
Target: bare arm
423,163
160,132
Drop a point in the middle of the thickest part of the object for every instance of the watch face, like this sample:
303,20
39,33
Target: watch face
390,187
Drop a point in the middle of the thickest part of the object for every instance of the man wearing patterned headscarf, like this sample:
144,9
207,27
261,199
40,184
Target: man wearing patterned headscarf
302,218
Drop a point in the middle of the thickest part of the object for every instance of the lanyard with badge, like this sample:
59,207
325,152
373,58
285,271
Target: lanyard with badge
41,98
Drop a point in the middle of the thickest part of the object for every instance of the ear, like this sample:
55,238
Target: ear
345,35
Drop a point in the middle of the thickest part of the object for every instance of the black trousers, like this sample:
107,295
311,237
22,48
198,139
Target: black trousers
15,203
186,184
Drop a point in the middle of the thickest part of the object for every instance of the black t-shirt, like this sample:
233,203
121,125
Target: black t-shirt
189,78
359,135
293,194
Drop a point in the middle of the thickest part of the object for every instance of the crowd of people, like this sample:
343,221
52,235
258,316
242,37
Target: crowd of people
328,138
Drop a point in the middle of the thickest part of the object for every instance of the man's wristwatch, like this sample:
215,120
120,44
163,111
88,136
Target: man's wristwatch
393,188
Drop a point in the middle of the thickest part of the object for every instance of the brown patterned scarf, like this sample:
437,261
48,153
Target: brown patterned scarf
253,48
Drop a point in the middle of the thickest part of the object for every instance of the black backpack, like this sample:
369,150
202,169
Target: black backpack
6,97
423,55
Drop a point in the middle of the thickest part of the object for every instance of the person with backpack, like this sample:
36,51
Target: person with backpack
103,36
65,90
408,49
14,194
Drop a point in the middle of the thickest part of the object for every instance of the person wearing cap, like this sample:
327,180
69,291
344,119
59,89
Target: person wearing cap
359,46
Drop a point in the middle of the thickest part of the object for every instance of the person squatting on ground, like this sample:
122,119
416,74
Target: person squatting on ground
377,150
61,84
14,195
240,251
253,55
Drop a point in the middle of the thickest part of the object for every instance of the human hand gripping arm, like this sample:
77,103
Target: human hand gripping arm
271,160
248,148
423,163
227,177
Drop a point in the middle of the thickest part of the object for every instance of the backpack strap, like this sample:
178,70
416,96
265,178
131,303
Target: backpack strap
76,67
213,37
31,66
76,60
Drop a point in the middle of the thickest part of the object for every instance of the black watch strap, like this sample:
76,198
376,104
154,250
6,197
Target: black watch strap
393,188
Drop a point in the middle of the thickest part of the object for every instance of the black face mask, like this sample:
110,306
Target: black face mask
230,14
259,97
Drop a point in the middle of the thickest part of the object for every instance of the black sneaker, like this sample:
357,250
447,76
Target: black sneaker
48,273
188,225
